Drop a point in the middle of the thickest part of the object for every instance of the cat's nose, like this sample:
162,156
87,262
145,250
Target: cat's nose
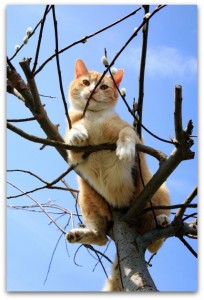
93,90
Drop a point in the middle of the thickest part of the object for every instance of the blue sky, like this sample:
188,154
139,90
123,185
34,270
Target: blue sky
171,60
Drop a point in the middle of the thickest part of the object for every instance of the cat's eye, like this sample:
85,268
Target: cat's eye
103,87
86,82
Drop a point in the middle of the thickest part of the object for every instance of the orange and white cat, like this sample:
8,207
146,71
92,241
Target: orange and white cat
107,175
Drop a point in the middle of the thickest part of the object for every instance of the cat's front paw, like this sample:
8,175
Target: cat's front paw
77,136
125,151
163,220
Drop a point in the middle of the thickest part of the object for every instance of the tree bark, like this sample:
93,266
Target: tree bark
135,276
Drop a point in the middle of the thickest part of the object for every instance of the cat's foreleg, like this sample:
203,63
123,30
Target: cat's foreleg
126,144
77,135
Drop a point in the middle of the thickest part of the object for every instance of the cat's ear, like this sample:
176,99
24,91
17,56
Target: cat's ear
118,76
80,68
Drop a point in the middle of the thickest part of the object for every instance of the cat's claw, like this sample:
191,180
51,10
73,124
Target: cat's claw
77,136
163,220
125,151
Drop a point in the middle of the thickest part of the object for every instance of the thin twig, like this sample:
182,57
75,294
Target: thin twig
55,248
27,172
10,59
181,211
192,205
51,259
58,68
103,256
48,185
145,20
136,119
97,252
76,255
21,120
61,229
40,39
178,113
181,238
150,259
84,39
142,72
186,217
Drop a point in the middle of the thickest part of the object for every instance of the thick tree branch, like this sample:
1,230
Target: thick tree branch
17,83
180,152
134,273
87,149
169,231
13,91
33,102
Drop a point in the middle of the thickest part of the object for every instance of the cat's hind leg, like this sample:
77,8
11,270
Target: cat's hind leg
86,236
96,215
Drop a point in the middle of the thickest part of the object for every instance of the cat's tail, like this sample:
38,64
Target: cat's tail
113,283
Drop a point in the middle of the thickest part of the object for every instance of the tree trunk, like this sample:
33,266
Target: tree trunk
134,273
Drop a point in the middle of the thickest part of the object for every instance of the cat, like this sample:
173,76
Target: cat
107,179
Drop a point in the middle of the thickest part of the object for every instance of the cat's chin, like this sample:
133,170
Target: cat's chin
93,99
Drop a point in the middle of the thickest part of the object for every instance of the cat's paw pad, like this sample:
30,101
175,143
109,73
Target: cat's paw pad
125,151
163,220
77,136
74,236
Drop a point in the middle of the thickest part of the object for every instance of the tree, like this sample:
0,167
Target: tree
27,91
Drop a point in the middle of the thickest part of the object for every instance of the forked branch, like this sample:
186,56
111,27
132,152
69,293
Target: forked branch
180,152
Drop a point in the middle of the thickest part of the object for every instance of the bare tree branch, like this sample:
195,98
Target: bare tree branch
61,229
33,102
58,68
21,120
84,39
132,112
142,72
87,149
48,185
169,231
181,211
145,20
181,238
180,152
38,24
130,246
47,8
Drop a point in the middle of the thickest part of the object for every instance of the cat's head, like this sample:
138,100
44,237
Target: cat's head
105,95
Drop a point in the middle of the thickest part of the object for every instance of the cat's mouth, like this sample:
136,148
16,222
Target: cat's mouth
92,98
